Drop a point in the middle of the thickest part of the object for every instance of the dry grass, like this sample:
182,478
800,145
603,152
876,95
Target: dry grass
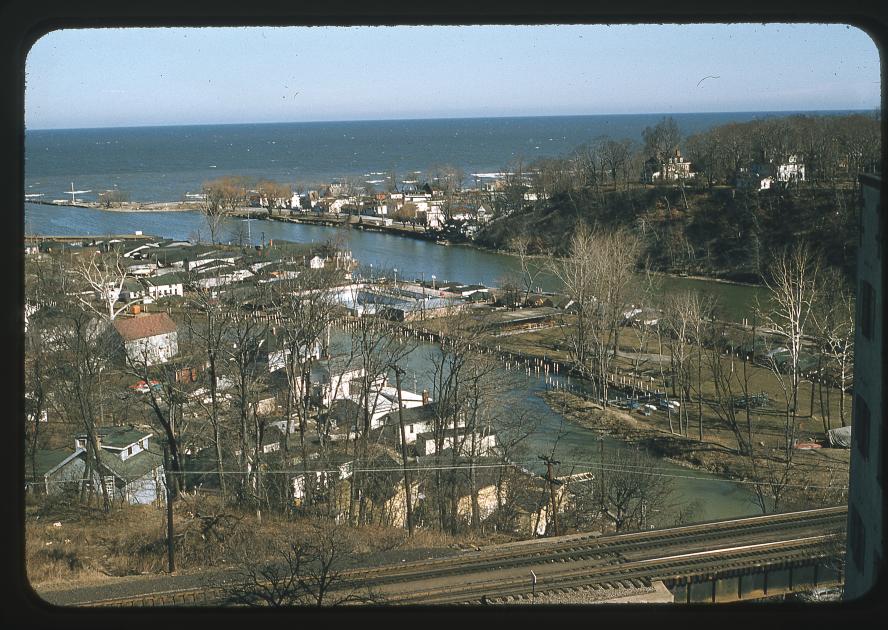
89,546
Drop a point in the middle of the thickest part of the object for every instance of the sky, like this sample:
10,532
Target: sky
180,76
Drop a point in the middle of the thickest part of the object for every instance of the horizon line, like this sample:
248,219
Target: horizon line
436,118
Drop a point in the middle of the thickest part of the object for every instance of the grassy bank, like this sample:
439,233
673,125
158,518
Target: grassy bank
818,477
69,545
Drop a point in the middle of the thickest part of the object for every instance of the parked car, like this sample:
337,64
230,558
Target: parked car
142,386
669,404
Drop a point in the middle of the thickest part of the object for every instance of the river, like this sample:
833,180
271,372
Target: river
579,448
413,258
716,497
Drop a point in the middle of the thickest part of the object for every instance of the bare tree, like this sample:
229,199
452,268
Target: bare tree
628,490
105,274
274,195
207,322
792,289
530,269
303,571
213,208
773,477
110,198
597,276
730,378
834,329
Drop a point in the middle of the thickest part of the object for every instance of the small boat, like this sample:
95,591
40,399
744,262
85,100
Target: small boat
441,241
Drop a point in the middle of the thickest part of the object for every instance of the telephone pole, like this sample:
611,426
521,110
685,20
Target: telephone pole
171,560
552,481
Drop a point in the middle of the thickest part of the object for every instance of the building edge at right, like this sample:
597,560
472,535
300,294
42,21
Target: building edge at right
865,499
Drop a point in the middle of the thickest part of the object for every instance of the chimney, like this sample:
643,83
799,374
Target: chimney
425,397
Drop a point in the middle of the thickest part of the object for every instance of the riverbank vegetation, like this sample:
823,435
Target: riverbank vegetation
750,189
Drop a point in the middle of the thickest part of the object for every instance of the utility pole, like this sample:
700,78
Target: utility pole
398,373
171,560
552,483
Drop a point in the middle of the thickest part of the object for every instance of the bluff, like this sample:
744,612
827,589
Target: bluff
718,232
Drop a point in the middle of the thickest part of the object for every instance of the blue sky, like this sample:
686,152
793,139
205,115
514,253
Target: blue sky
166,76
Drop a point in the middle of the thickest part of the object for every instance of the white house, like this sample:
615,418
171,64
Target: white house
151,338
164,285
482,442
793,170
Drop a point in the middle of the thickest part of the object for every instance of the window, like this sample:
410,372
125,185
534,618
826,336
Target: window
861,426
866,309
856,538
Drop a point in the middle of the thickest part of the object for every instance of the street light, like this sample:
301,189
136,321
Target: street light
371,272
433,282
396,277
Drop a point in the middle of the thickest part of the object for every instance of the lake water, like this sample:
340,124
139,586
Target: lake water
164,163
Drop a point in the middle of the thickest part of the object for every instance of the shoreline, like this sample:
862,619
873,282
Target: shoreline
345,221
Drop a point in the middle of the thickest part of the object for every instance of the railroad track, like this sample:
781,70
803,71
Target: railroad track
580,560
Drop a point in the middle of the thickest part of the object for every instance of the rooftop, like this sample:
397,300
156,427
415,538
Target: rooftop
142,326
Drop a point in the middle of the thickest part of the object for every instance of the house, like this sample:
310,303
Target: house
481,442
132,290
331,378
418,420
530,504
52,471
274,352
323,482
792,170
460,479
151,338
164,285
316,262
673,168
132,467
384,492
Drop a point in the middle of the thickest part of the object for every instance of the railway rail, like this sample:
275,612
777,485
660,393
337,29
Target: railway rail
582,561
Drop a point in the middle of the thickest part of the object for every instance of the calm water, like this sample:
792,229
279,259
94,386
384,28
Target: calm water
413,258
578,448
164,163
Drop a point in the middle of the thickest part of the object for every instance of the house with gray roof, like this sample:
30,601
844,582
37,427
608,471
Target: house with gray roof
131,466
165,285
52,471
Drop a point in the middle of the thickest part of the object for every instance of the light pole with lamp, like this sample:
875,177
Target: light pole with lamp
433,282
396,277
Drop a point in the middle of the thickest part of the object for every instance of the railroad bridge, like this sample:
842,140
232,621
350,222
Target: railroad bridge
723,561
